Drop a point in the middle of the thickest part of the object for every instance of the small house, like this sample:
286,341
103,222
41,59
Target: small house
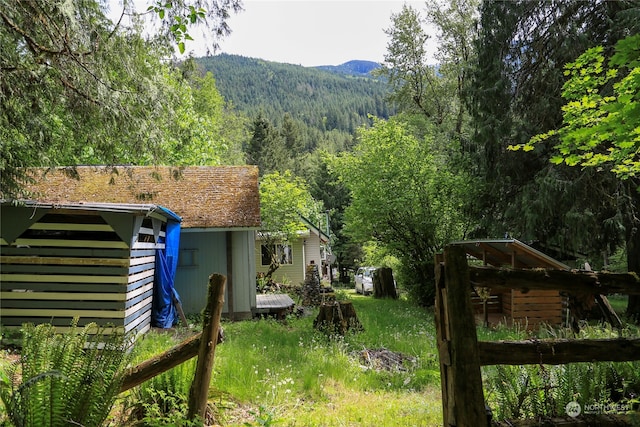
220,211
528,309
90,261
310,247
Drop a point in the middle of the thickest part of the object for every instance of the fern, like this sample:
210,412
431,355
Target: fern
70,378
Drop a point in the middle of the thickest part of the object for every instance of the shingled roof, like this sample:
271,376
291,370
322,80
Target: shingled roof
204,196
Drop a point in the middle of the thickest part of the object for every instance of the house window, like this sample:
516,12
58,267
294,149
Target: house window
283,254
188,258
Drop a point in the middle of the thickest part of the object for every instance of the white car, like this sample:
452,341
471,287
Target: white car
364,280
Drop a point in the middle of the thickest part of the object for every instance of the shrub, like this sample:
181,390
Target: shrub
65,378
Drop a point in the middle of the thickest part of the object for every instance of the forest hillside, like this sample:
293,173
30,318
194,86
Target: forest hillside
326,98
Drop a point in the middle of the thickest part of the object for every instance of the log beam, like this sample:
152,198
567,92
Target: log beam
561,280
557,352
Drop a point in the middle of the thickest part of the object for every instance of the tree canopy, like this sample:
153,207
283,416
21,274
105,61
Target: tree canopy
601,116
404,196
284,201
77,88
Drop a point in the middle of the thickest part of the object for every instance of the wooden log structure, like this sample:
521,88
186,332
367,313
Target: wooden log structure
462,394
150,368
95,262
558,352
199,391
564,281
461,355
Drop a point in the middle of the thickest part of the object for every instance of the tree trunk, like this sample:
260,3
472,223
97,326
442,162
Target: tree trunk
337,318
633,246
383,284
199,391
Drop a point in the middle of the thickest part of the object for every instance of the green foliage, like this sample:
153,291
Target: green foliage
602,111
162,400
516,93
292,370
533,391
405,196
65,378
71,93
176,18
284,198
262,418
317,100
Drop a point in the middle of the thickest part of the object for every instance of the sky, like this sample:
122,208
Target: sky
309,32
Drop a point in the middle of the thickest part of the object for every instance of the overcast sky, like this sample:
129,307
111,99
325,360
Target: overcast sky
302,32
312,32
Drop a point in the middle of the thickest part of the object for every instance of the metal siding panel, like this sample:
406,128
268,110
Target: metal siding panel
244,271
192,282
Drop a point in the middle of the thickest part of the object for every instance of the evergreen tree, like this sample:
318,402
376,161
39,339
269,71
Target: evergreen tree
516,93
266,148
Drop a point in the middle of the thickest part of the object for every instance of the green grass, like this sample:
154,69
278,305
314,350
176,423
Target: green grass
296,376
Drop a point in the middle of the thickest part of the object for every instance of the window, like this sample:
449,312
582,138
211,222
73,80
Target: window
188,258
282,253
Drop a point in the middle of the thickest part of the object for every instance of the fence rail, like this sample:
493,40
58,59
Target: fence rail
461,355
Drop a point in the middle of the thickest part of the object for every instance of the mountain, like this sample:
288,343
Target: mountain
321,99
354,68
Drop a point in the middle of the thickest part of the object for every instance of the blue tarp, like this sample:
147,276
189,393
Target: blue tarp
163,312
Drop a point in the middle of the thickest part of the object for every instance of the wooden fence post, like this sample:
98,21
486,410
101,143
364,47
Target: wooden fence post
464,394
161,363
199,390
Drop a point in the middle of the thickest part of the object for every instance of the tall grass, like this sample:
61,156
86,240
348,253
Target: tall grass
293,375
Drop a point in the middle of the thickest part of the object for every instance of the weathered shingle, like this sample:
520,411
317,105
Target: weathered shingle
204,196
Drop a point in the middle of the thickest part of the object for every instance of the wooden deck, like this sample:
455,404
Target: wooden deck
278,304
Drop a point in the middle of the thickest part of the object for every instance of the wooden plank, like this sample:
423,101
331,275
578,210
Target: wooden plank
135,300
141,304
134,269
173,357
91,270
140,290
41,260
560,280
142,260
142,282
60,321
61,304
66,243
88,253
66,287
47,278
136,253
71,227
142,320
147,245
64,296
442,338
140,276
64,329
47,314
557,352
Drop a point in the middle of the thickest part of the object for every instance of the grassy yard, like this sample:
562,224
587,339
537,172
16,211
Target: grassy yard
285,373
